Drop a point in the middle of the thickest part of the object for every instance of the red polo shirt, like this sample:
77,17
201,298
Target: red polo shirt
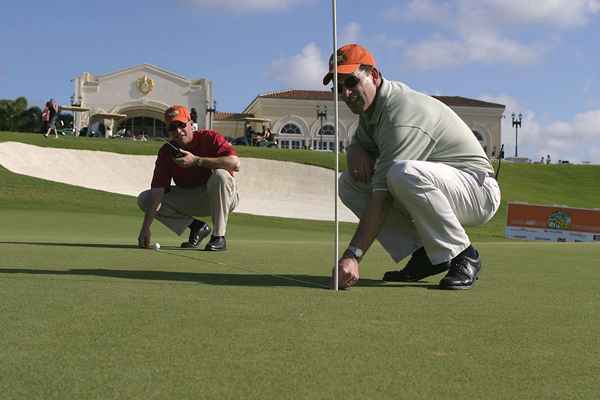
204,144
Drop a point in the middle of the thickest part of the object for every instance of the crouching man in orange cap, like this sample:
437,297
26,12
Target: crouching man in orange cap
202,165
416,176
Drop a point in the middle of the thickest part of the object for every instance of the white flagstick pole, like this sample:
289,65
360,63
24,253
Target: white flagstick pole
337,145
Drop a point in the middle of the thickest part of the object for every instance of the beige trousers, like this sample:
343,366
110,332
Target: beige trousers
430,204
217,198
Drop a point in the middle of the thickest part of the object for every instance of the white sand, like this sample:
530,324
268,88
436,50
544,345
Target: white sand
273,188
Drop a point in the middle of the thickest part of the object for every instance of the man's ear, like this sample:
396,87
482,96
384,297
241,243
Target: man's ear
375,75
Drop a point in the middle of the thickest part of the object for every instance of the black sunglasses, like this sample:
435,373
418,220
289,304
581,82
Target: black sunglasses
349,83
175,125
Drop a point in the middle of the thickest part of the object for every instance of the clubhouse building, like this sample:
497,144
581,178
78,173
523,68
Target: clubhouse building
134,99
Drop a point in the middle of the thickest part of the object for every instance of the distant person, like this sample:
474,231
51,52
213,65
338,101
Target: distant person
416,176
202,165
194,117
542,160
249,135
548,159
52,117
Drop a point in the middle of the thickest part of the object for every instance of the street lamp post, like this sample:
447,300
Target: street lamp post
211,110
321,115
517,124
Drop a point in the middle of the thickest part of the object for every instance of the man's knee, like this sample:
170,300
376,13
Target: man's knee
220,177
345,186
143,199
405,177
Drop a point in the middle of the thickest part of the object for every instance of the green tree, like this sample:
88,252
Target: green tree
17,117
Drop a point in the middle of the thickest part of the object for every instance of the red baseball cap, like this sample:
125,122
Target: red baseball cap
349,58
177,113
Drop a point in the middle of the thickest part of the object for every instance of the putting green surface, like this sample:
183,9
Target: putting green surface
86,315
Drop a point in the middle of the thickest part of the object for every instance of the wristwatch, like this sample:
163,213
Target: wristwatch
355,252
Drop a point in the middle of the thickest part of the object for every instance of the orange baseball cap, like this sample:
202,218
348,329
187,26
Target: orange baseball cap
349,58
177,113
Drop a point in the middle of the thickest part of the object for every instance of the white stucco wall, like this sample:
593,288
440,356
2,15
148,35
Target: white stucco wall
118,92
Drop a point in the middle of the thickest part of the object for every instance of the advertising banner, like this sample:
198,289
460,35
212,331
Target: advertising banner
552,223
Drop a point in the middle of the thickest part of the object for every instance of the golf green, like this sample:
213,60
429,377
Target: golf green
87,315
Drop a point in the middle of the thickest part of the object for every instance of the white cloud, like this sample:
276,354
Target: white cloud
486,48
241,6
477,30
301,71
558,13
575,140
438,13
351,33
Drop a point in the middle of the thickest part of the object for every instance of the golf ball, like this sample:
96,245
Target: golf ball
156,246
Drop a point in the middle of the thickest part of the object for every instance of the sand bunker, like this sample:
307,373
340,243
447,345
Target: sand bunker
272,188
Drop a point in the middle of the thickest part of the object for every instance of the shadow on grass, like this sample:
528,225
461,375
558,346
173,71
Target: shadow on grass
219,279
97,245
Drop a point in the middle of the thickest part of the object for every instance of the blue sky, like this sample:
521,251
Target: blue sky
539,58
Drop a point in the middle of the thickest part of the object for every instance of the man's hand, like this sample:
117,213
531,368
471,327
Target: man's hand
348,273
360,164
144,238
188,159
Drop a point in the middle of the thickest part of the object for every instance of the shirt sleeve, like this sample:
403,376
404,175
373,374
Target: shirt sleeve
163,169
222,148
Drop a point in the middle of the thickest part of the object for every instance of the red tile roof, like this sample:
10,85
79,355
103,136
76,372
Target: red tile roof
229,116
322,95
300,95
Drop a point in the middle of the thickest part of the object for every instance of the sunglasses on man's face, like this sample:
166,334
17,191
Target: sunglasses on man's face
349,82
173,127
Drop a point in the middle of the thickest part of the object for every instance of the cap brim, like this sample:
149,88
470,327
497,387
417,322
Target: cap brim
342,69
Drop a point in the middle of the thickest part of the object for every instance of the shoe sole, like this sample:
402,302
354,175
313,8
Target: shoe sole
214,249
461,287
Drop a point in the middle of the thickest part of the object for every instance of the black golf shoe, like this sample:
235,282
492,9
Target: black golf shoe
198,231
464,270
216,243
418,267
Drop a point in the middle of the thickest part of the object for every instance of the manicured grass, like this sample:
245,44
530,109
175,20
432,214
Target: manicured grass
317,158
86,315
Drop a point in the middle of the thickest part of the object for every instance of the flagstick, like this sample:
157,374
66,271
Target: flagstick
337,145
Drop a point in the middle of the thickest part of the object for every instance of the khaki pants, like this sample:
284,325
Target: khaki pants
430,204
217,198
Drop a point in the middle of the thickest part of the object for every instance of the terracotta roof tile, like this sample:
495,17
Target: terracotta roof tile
466,102
229,116
300,95
456,101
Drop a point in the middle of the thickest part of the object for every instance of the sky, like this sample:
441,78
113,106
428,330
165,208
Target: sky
539,58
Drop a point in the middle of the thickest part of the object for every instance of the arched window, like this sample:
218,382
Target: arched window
290,128
327,130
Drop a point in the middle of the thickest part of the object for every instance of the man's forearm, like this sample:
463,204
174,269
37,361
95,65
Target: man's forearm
229,163
156,195
370,223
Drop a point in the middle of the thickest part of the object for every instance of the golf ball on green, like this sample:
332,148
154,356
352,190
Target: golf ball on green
156,246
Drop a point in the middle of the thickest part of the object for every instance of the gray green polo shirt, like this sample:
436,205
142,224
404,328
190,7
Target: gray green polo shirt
409,125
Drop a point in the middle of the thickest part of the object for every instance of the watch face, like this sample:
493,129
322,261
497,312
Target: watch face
358,253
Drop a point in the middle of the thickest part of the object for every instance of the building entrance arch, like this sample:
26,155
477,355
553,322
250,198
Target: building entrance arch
148,122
